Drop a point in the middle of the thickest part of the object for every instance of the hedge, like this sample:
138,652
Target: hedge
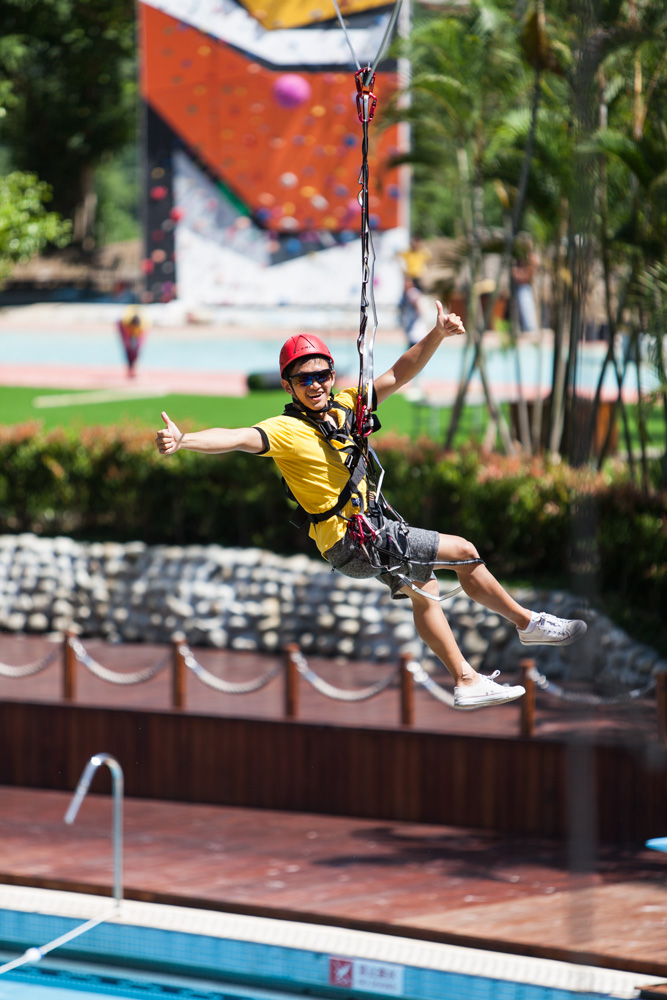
527,517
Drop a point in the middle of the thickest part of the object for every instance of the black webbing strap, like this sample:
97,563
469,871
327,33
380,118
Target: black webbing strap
356,462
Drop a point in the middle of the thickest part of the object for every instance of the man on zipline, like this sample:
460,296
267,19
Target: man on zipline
313,445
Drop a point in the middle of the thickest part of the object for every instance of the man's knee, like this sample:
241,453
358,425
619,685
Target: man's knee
459,549
418,594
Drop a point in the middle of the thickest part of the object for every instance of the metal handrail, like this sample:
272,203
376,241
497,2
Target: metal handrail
79,795
36,954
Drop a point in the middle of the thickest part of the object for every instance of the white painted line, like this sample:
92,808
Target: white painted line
98,396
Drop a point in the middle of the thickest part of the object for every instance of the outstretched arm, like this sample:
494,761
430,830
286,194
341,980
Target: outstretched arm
215,441
418,356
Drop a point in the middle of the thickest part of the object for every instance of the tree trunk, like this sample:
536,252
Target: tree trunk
85,211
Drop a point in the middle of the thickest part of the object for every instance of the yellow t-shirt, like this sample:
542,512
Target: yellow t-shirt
415,261
313,468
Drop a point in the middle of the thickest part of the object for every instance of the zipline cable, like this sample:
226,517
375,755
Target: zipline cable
364,80
366,423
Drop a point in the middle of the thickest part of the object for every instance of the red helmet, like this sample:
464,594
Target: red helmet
302,345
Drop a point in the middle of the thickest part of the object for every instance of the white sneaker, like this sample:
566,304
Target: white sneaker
554,631
486,692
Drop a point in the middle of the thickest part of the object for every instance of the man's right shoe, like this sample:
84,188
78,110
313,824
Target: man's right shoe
553,631
486,693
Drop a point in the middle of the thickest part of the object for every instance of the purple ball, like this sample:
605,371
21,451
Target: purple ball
290,90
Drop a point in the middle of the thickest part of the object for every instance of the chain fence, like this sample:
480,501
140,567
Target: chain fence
341,694
585,697
29,669
218,684
182,651
114,676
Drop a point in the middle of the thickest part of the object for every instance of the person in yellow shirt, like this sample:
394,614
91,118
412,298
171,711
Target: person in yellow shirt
313,445
414,262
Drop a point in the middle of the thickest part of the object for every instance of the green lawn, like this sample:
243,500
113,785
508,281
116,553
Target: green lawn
397,413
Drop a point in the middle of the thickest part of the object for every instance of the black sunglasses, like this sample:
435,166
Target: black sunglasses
308,378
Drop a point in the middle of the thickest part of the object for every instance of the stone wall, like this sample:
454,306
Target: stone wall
249,599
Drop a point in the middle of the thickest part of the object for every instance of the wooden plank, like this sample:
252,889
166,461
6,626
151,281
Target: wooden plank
503,783
468,887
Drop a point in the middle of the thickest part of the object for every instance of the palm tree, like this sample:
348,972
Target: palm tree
463,70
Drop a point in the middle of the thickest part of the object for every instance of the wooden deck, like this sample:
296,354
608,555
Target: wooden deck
592,775
473,888
572,897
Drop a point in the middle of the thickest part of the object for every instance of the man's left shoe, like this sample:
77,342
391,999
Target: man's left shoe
486,693
553,631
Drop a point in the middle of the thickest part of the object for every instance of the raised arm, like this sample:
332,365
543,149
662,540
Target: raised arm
418,356
215,441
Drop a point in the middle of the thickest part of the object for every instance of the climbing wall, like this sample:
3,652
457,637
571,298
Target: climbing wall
254,149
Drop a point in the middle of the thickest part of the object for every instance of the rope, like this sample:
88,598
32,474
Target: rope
339,694
421,677
29,669
364,80
556,691
225,687
112,676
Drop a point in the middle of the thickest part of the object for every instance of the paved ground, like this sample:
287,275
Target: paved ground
246,325
437,883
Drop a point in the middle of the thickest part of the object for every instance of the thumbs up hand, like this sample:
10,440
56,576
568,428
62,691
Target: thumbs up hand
169,439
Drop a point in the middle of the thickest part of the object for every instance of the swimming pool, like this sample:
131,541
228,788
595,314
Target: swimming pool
151,950
166,350
60,980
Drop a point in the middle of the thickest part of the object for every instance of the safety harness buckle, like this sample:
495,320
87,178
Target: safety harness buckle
366,99
361,531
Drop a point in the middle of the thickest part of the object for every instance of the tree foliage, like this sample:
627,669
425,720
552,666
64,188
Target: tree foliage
68,75
25,224
548,117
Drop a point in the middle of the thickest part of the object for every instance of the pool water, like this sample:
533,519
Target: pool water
166,351
59,980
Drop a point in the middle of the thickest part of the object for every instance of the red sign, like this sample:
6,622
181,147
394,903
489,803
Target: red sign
340,972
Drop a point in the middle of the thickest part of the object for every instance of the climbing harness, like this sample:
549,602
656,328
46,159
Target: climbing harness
358,461
352,435
364,525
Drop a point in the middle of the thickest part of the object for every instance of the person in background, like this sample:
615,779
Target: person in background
132,331
414,262
523,272
410,309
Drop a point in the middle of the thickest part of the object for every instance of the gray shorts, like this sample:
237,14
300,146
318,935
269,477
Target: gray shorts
412,554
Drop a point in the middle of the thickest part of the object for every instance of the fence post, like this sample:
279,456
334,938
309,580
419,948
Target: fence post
178,671
661,704
528,701
291,674
69,669
407,692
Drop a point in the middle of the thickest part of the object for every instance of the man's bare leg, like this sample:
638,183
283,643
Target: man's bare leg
434,629
479,583
534,628
472,690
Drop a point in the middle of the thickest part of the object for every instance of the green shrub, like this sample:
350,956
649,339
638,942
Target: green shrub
528,518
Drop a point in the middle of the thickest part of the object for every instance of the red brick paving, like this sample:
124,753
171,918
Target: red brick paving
438,883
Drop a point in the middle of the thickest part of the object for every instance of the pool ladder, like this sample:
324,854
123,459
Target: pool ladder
35,954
